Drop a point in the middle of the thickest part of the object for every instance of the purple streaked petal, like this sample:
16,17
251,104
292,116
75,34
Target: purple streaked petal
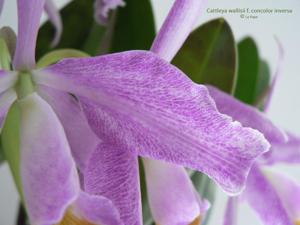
177,27
288,152
112,172
81,138
264,199
49,176
54,17
276,76
96,209
247,115
29,15
103,7
7,80
230,217
6,100
171,194
288,191
153,108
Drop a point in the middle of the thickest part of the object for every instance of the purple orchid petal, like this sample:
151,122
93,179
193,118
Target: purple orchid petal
103,7
177,27
29,14
276,76
247,115
6,100
289,193
49,176
288,152
81,138
150,106
7,80
91,209
171,194
1,6
54,17
264,199
112,172
230,217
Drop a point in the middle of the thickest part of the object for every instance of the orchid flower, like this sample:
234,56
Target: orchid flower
172,197
143,106
272,196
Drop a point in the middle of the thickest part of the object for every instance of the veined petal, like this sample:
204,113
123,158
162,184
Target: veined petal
6,99
54,17
112,172
289,192
288,152
177,27
264,199
230,217
103,7
153,108
91,210
49,176
7,80
81,138
247,115
29,15
172,196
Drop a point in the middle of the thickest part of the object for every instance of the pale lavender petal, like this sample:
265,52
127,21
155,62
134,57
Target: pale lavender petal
264,199
276,76
230,217
103,7
49,176
288,191
7,80
6,100
54,17
29,15
112,172
96,209
81,138
171,194
177,27
249,116
150,106
288,152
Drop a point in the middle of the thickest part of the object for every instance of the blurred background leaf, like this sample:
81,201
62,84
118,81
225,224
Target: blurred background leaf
134,26
248,71
208,56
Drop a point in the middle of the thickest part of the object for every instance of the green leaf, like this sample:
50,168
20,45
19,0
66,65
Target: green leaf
134,26
77,19
1,153
208,56
248,71
10,38
207,190
10,139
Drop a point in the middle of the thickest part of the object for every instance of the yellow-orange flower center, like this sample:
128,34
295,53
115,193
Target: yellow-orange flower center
297,222
71,219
